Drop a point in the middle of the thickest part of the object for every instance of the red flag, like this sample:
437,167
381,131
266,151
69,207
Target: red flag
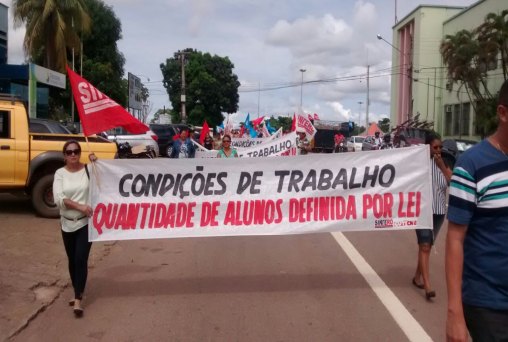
204,132
293,125
98,112
316,117
311,118
257,121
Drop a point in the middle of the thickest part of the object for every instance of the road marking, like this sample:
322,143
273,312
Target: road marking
400,314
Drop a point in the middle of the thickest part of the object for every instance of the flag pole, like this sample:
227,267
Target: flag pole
94,168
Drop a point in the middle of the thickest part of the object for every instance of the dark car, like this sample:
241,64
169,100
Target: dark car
165,134
47,126
453,148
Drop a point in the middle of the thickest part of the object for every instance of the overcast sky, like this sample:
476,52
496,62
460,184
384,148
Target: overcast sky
268,41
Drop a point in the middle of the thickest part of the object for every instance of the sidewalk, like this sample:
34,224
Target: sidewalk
33,268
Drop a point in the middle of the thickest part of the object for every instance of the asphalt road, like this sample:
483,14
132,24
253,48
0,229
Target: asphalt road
275,288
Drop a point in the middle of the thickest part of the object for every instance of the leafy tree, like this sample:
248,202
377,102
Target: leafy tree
103,63
159,112
211,86
282,121
358,130
469,55
493,38
384,124
52,28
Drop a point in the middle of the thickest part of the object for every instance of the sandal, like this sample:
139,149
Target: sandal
78,309
78,312
420,286
430,294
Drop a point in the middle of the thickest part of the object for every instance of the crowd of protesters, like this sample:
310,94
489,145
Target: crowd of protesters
477,236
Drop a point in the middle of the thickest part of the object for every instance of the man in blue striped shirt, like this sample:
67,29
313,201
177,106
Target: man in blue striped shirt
477,240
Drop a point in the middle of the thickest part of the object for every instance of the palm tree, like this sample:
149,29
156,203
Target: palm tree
493,38
460,55
52,27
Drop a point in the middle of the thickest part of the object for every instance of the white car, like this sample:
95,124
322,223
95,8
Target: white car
354,143
138,142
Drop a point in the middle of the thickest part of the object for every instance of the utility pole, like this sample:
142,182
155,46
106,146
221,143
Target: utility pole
182,96
359,115
367,103
301,91
395,12
259,95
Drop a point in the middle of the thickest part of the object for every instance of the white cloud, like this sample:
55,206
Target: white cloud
268,42
343,114
311,35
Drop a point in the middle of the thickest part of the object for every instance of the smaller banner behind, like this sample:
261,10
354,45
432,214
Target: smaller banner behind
163,198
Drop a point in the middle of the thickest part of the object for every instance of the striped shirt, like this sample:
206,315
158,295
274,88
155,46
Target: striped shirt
479,199
439,187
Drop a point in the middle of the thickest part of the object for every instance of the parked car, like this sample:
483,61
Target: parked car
146,141
47,126
369,144
453,148
165,135
354,143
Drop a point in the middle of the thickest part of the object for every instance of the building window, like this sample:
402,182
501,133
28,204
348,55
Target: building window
448,120
465,118
457,119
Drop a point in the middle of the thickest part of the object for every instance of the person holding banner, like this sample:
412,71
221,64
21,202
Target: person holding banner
226,151
208,143
183,147
441,176
477,240
302,143
70,191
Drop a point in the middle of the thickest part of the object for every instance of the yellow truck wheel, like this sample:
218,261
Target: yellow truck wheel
42,197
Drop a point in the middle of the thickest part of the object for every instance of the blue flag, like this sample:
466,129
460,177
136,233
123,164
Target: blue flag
247,121
252,132
269,127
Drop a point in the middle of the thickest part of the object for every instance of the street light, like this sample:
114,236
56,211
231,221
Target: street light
301,91
404,59
387,42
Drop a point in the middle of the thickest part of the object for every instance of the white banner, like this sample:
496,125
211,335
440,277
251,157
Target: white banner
374,191
246,142
203,152
303,122
272,148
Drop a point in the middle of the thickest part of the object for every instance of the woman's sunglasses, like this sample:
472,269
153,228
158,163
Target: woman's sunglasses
71,152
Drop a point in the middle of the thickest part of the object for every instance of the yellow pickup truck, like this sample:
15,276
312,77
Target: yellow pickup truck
28,161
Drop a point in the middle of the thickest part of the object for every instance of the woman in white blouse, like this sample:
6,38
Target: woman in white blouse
70,190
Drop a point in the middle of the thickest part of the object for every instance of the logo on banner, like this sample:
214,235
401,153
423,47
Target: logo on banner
93,100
